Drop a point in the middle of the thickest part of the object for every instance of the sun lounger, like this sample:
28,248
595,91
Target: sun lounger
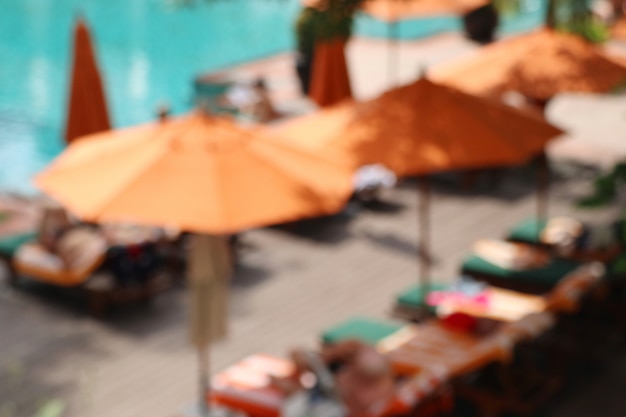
411,304
82,260
363,329
10,244
18,223
247,387
525,276
79,253
572,239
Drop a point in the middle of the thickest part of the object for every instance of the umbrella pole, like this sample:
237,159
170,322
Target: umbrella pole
204,385
543,185
393,53
424,236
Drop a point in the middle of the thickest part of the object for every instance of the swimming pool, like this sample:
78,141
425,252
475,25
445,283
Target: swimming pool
148,50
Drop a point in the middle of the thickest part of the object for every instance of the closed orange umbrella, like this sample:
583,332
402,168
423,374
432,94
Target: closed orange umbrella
560,63
196,172
330,81
87,110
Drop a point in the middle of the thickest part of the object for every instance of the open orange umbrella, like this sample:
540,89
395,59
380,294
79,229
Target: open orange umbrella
394,11
197,173
560,63
330,81
423,128
87,110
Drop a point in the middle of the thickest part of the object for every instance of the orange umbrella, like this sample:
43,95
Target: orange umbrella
330,81
87,111
196,172
423,128
395,10
560,63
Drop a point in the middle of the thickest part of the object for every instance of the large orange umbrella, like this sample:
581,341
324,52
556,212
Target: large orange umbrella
423,128
539,65
196,172
87,110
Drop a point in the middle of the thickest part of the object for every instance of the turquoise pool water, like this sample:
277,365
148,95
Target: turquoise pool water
148,52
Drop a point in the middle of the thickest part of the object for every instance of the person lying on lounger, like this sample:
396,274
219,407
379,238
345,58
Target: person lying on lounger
350,372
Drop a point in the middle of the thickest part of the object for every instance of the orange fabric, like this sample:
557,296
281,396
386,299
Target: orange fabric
395,10
423,128
87,111
196,173
330,81
561,63
246,386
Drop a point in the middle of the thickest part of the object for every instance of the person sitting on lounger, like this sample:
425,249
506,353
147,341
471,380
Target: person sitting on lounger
353,373
263,110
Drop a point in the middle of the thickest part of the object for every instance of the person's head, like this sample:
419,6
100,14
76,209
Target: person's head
259,84
371,365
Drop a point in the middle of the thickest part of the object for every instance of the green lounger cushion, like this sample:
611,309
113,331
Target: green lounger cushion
528,231
367,330
10,244
415,296
549,275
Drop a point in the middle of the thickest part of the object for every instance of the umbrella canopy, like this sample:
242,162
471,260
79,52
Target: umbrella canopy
424,127
560,63
330,81
197,173
87,110
396,10
596,127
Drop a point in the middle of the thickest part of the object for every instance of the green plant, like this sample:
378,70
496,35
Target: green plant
588,27
52,408
606,190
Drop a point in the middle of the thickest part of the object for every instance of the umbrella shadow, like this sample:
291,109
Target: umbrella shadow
61,299
247,276
381,206
25,382
325,230
510,184
398,245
